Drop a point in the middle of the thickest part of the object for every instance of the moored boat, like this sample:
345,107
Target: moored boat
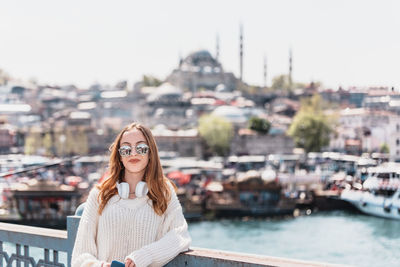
249,195
45,203
380,193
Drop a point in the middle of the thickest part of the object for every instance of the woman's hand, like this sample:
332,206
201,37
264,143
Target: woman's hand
106,264
129,263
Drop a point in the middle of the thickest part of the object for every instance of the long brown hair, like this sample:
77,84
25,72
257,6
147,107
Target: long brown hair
159,191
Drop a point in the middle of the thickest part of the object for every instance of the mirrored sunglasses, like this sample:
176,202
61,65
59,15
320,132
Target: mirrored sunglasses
126,151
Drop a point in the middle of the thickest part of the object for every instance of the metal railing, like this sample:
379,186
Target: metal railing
55,241
26,237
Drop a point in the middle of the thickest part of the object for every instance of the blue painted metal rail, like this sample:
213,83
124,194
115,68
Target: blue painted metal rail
54,241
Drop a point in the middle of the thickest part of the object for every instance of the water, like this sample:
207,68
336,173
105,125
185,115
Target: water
331,237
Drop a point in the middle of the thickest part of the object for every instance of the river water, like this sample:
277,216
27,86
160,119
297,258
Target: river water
331,237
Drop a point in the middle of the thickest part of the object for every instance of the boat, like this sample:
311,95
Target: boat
192,205
40,191
45,203
248,195
379,195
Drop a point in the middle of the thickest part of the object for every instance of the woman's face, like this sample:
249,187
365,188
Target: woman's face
135,163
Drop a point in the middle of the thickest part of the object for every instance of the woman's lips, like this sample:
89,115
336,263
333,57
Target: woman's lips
134,161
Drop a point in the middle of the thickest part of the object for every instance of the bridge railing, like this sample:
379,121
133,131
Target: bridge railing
53,242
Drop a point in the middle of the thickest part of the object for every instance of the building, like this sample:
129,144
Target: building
186,143
353,98
372,128
167,105
247,142
7,140
200,70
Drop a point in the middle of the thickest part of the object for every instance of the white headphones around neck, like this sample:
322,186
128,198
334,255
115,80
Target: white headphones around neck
141,189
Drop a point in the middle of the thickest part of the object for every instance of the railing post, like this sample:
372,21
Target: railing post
72,228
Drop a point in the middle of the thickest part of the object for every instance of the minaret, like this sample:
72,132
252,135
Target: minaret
217,48
290,68
180,74
241,52
180,59
265,71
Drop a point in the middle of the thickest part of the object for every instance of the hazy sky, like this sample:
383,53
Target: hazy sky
338,42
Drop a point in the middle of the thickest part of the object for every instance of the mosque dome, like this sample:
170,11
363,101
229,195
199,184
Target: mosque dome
201,58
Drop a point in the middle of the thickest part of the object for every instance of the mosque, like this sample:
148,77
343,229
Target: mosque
200,70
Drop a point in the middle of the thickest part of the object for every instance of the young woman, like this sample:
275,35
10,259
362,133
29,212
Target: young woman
134,216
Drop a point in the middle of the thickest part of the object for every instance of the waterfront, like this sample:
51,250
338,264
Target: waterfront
331,237
326,237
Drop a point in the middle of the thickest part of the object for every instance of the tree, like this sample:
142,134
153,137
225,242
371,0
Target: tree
311,127
34,142
149,80
259,125
280,82
82,145
48,144
75,142
70,142
217,133
384,148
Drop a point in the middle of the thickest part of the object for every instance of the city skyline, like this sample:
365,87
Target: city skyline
336,42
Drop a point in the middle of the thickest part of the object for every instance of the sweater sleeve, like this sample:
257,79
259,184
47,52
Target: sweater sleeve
84,253
174,238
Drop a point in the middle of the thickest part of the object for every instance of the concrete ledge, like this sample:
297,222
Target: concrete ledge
210,257
64,240
34,236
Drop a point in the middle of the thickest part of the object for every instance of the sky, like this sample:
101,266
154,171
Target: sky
337,42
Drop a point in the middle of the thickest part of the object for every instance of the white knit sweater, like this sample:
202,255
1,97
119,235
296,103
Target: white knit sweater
129,228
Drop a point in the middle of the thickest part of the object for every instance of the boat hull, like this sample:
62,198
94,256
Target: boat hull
231,212
368,203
